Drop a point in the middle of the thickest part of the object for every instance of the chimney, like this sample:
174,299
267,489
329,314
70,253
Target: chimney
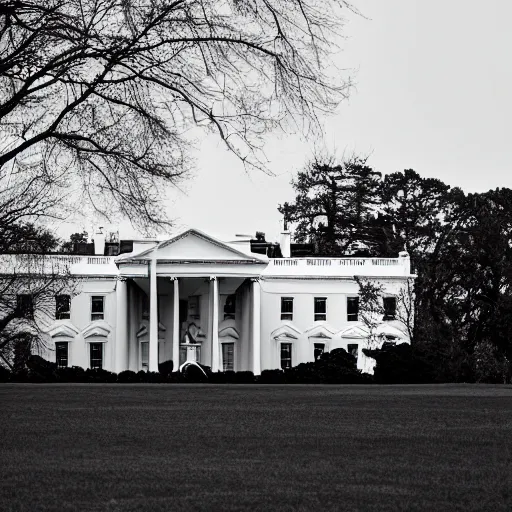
286,238
99,242
405,260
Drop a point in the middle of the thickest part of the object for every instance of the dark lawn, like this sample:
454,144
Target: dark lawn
179,447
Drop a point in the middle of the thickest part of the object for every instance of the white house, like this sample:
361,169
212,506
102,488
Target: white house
194,297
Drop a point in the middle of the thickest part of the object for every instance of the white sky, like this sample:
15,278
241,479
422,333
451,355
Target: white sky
434,84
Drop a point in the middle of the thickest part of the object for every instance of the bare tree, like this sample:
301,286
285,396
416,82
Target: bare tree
29,287
101,97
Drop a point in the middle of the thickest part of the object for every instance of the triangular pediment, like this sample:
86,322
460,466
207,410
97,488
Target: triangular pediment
98,329
63,330
287,332
324,331
355,331
193,245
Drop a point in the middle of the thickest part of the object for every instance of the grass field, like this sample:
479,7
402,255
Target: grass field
194,447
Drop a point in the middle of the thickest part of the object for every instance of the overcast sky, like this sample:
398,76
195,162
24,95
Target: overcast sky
434,83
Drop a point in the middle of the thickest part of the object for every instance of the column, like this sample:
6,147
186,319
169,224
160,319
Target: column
256,326
121,346
153,318
176,326
214,313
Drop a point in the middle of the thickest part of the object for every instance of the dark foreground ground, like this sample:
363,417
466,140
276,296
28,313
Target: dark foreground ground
193,447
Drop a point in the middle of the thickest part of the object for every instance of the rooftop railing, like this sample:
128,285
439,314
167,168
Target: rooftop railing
50,263
333,262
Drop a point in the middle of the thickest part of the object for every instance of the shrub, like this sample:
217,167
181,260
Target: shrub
246,377
71,374
337,367
40,370
401,364
127,376
490,365
99,375
5,374
154,378
272,377
166,368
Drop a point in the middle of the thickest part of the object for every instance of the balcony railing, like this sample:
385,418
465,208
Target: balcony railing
333,262
333,267
51,263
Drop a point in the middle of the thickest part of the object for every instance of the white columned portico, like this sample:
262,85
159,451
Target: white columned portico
256,326
153,317
176,325
121,346
214,312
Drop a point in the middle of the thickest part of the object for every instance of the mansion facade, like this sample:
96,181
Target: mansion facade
196,298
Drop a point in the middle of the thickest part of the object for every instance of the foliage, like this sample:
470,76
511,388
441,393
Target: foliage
29,285
491,366
166,367
74,238
335,206
401,364
371,309
101,97
460,247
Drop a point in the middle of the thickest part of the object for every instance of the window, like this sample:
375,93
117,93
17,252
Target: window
352,309
144,355
25,305
389,308
230,307
286,355
319,350
320,308
97,308
96,355
352,349
228,351
61,354
286,308
62,307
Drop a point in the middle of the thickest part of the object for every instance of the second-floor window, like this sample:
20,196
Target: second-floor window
352,309
320,308
389,304
286,308
25,305
62,307
97,307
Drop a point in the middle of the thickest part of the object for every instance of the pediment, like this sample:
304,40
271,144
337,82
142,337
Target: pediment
324,331
387,329
227,328
193,245
144,328
354,331
63,330
287,332
97,330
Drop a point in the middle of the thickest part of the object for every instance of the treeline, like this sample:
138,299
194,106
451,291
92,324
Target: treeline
460,246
